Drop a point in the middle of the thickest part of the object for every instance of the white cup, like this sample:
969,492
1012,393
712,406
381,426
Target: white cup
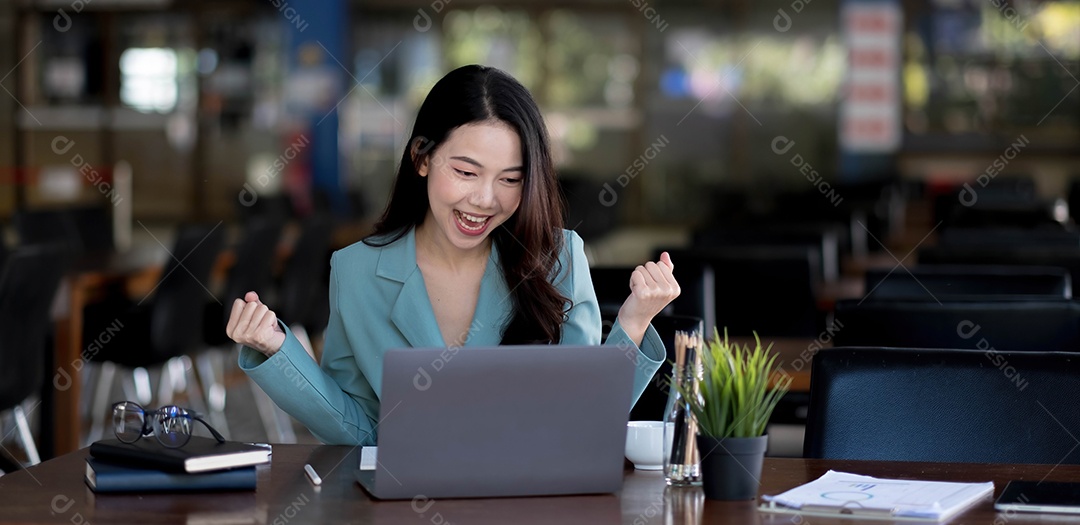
645,444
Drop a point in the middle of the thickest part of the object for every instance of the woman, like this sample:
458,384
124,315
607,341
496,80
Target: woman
469,252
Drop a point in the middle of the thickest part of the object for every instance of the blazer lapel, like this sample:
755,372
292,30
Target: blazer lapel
412,313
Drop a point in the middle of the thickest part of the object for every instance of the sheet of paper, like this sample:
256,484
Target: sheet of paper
367,458
842,492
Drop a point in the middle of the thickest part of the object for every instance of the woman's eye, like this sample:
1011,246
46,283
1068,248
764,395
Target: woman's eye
512,181
465,173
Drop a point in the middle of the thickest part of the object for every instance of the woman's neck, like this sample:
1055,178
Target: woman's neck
433,248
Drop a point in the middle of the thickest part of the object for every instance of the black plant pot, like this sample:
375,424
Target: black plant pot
731,467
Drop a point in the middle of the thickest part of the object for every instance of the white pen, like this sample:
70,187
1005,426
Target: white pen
312,475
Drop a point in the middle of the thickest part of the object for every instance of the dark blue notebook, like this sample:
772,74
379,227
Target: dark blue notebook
106,477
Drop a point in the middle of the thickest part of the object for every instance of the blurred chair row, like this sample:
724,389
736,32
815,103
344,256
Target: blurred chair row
748,271
180,319
969,357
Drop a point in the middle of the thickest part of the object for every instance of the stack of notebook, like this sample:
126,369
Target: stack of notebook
202,464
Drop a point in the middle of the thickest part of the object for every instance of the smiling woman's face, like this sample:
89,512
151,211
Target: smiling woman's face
474,182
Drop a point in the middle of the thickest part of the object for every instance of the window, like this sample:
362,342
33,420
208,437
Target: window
149,79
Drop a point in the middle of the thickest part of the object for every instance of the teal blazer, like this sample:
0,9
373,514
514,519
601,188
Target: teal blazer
378,301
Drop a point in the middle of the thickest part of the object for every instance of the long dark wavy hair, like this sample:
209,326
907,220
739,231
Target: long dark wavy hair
530,241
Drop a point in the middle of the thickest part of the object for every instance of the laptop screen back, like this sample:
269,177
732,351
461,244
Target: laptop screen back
503,421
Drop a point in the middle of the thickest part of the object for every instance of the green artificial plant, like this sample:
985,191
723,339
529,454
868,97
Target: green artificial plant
732,397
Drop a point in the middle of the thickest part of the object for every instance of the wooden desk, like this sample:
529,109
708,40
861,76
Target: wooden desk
54,492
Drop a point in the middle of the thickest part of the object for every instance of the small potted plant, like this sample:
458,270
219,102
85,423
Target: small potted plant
732,403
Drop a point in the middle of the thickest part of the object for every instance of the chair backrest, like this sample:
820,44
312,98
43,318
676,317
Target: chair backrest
1068,258
906,404
48,226
612,286
95,228
770,290
28,283
255,254
83,229
1034,214
176,321
1009,238
1039,325
304,282
825,238
939,283
1005,189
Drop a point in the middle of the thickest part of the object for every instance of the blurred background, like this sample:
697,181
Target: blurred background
201,97
860,131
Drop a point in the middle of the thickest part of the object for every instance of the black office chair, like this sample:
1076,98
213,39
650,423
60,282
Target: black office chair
966,406
28,285
158,330
304,298
612,287
252,271
770,290
1043,325
944,282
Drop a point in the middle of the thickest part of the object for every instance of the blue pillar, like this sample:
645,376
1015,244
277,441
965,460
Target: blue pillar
316,82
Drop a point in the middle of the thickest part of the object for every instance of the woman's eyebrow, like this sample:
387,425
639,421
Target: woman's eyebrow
478,165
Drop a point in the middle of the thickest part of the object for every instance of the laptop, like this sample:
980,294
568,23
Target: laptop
501,421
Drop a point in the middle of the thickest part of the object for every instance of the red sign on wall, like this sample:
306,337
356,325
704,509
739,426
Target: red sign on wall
870,109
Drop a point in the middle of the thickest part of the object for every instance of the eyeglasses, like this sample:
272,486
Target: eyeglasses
171,425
